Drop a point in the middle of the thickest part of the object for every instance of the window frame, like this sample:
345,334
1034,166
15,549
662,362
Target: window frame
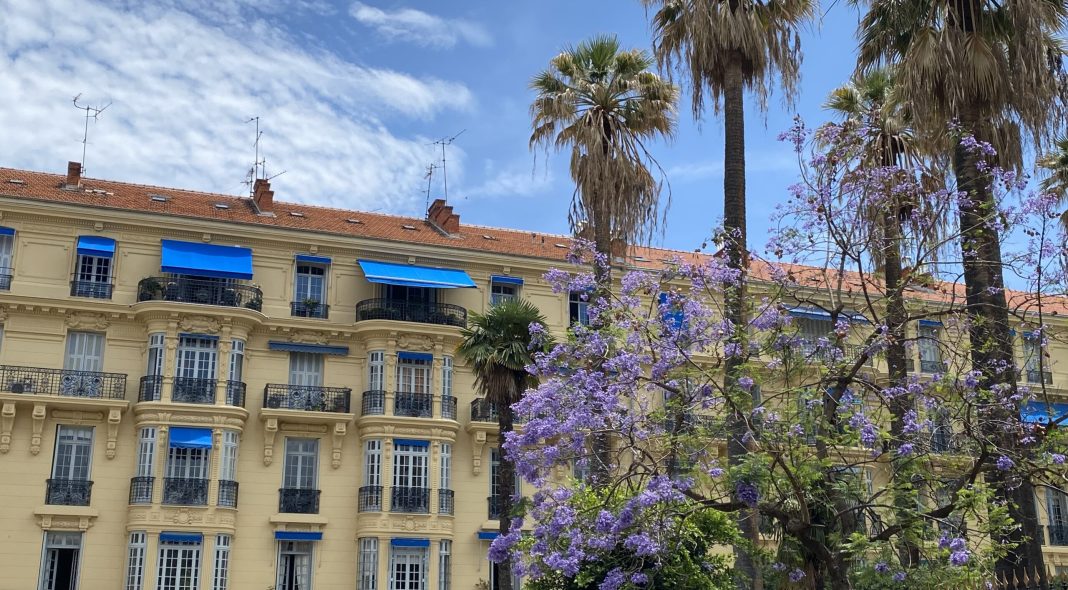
293,476
185,554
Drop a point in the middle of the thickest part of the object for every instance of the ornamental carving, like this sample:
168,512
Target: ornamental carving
413,342
307,337
198,324
87,320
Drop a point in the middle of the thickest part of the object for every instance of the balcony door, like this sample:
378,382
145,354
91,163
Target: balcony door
1057,506
302,464
85,352
197,357
411,479
59,564
93,274
408,568
411,295
294,565
413,376
74,449
305,369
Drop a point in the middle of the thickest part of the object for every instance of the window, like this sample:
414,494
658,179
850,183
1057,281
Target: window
445,565
228,469
156,353
1034,363
578,308
237,361
376,371
370,499
70,483
495,578
413,296
446,376
1057,512
302,464
309,297
445,493
305,369
141,486
221,571
92,277
410,476
186,482
85,352
294,565
195,370
810,330
930,353
179,562
135,562
413,375
407,569
368,564
7,250
501,292
61,560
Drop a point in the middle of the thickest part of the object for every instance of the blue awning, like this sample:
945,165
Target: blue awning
96,246
415,356
313,259
931,323
673,318
312,348
402,542
487,536
206,260
297,536
190,438
6,231
812,313
181,538
408,275
411,442
1042,413
506,280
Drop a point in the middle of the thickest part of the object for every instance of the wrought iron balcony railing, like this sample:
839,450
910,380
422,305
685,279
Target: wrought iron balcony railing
84,384
415,405
444,314
193,390
483,410
298,501
227,493
404,499
308,398
205,291
943,440
494,505
68,492
185,491
1036,376
90,288
374,403
151,388
1058,534
141,489
305,309
932,366
6,273
448,407
235,394
446,501
370,499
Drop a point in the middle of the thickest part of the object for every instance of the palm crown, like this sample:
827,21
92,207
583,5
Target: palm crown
498,345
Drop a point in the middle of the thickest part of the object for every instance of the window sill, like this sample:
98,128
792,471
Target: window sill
68,518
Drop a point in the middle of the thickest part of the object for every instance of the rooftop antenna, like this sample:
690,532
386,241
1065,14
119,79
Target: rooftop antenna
429,176
258,165
94,113
446,141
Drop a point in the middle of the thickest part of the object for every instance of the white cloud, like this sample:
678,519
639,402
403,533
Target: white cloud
183,89
515,179
416,26
776,162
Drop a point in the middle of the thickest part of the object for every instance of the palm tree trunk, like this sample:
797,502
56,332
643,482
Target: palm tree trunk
506,489
991,346
735,250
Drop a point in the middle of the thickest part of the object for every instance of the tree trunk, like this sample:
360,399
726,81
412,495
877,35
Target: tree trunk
602,240
748,575
991,345
506,490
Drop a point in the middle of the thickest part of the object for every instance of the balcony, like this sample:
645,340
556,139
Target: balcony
227,493
1036,376
415,500
446,501
448,407
93,289
370,499
932,366
373,403
309,309
205,291
141,489
307,398
483,411
193,390
188,390
80,384
944,441
235,394
185,491
443,314
68,492
413,405
494,505
6,273
298,501
1058,535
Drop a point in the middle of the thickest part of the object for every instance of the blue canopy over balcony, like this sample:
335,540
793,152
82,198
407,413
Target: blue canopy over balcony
206,260
96,246
408,275
1042,413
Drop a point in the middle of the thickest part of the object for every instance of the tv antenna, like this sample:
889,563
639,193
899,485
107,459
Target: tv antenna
90,112
429,176
443,142
258,165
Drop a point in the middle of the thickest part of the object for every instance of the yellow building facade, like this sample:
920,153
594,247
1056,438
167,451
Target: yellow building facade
207,392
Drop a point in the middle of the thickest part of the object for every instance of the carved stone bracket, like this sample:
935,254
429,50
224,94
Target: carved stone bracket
270,429
477,442
414,342
67,518
38,416
87,320
339,436
7,421
114,417
198,324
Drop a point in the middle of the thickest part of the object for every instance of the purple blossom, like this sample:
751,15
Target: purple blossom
959,558
899,577
1004,463
796,575
745,383
1056,458
747,493
905,449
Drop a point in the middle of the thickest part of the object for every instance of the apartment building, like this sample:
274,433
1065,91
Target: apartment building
206,392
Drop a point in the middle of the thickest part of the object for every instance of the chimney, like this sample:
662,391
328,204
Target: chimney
74,175
441,215
263,196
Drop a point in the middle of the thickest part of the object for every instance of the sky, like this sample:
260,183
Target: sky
351,97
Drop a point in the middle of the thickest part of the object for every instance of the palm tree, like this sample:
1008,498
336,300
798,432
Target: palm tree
1056,163
725,47
497,344
995,68
603,105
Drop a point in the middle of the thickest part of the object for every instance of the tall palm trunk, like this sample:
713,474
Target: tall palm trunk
506,481
991,345
748,574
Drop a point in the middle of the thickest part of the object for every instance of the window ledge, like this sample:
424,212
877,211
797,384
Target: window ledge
286,518
54,517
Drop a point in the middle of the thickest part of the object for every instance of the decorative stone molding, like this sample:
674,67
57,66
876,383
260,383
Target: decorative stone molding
3,313
338,437
198,324
414,342
270,430
114,417
87,320
65,518
74,416
7,421
38,416
477,442
308,337
302,428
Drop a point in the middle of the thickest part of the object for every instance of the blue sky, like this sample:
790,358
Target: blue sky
351,95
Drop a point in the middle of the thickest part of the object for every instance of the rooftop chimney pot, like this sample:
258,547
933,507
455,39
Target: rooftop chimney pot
442,216
74,174
263,196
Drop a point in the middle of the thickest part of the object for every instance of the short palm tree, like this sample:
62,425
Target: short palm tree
1056,164
497,344
603,105
725,47
995,69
